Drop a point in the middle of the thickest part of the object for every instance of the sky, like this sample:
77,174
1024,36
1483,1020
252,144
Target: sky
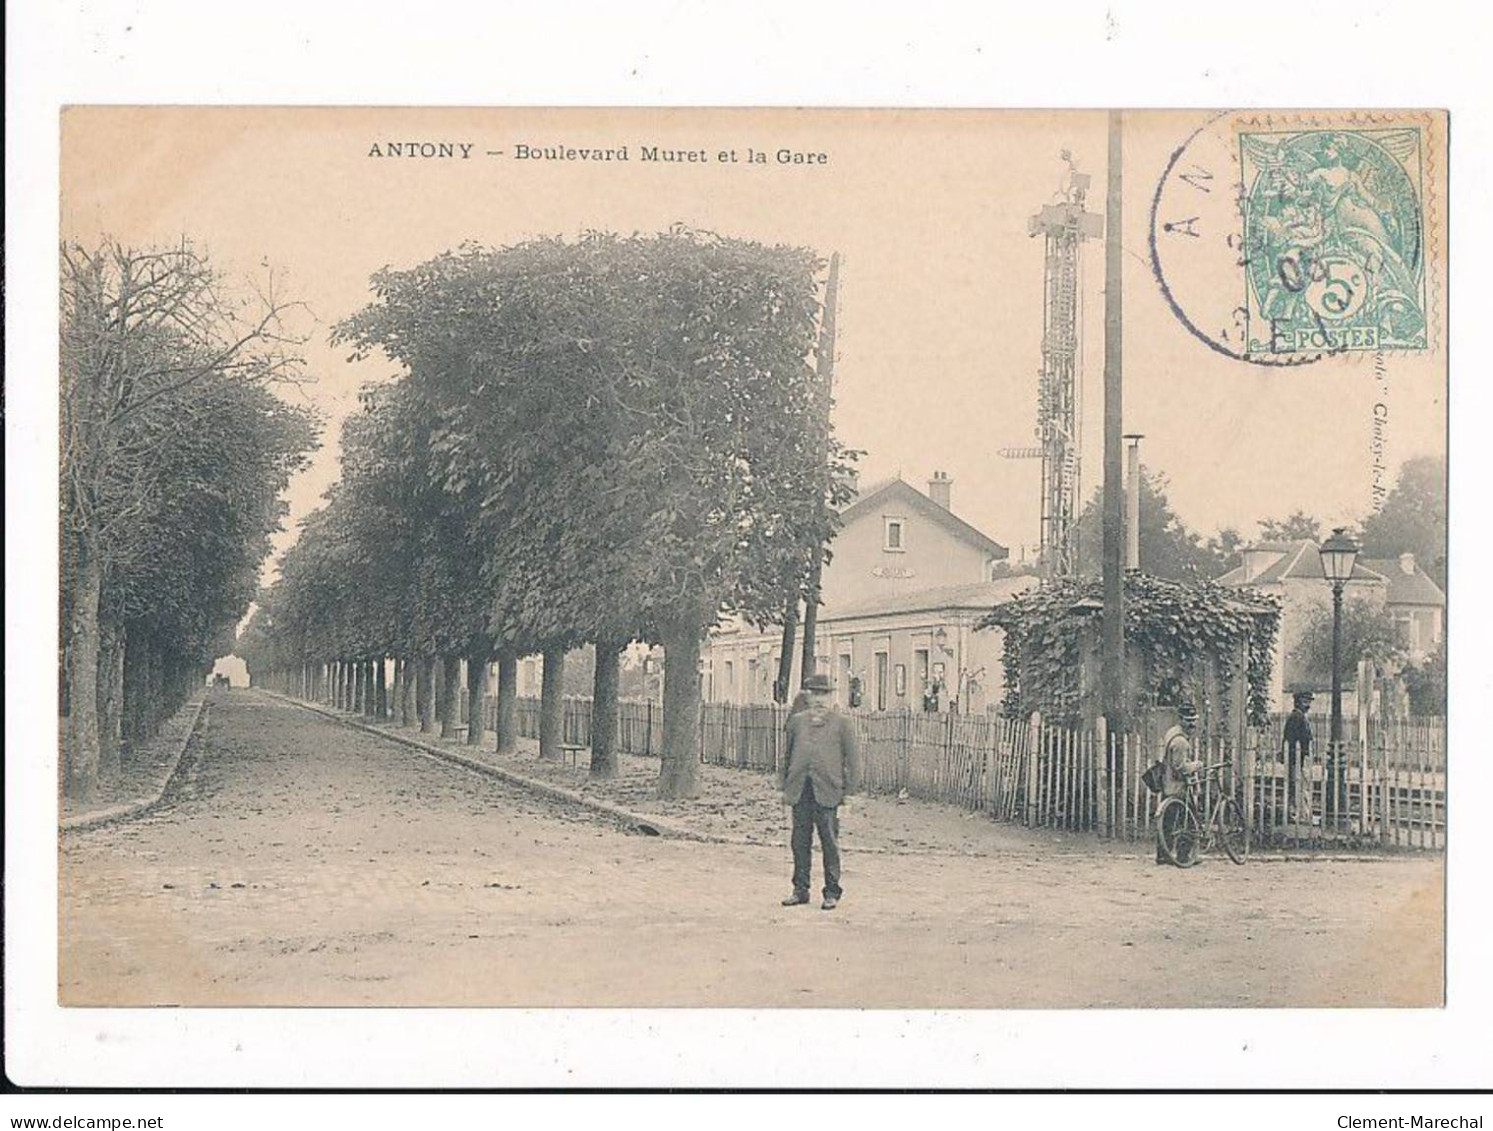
940,311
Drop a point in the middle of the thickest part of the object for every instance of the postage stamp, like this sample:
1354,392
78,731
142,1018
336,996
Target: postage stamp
1334,239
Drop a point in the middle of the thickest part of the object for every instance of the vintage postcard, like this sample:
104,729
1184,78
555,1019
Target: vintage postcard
752,558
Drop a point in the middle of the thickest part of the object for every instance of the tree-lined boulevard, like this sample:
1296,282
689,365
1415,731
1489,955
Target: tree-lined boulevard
603,441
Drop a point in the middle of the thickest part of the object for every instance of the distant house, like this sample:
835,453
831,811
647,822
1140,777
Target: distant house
1415,601
1292,572
906,584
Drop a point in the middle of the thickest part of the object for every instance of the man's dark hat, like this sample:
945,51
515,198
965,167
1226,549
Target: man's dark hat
818,683
1303,697
1187,711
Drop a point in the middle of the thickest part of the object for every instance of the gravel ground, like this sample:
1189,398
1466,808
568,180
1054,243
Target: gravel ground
301,862
746,805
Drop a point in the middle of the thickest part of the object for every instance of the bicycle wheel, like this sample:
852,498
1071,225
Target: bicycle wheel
1232,830
1179,832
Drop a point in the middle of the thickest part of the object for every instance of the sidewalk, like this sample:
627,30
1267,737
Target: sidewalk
744,806
144,778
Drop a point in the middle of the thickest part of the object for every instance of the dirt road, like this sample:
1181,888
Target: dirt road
301,862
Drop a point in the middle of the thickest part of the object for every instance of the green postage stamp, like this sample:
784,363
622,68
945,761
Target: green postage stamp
1334,236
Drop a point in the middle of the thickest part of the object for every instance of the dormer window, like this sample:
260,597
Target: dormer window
895,535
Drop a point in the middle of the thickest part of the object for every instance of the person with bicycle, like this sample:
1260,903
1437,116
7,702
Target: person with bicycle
1178,761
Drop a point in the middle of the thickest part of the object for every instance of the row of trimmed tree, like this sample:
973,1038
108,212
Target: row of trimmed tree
174,454
606,440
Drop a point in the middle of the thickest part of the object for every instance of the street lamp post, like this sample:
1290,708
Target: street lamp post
1338,555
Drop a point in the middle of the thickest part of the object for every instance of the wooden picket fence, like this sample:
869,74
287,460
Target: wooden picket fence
1393,791
1387,788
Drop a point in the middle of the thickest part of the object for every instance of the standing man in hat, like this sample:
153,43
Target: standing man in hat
1298,743
821,765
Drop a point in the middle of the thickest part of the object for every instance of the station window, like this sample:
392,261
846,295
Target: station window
895,534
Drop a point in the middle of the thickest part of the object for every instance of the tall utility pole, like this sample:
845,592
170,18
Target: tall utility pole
824,369
1064,226
1113,649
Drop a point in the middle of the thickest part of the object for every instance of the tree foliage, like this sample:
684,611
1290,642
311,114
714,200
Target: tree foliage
1426,683
1294,527
1413,518
1168,549
609,439
174,456
1368,633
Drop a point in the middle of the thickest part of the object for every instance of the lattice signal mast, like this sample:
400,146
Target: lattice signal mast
1064,226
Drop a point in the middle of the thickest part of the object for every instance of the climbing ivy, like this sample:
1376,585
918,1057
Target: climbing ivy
1178,628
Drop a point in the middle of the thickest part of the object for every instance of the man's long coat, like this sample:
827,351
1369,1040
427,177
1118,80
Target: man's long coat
821,747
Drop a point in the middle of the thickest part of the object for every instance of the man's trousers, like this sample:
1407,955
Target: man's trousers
808,816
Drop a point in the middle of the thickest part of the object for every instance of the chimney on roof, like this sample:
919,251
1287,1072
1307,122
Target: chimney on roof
940,488
1407,564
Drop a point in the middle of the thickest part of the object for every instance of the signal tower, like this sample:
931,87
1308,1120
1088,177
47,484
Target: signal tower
1064,226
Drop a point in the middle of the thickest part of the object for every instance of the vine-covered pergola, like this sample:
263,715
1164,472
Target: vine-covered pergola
1195,642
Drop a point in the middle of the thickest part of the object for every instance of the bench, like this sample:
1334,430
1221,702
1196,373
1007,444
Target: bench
572,751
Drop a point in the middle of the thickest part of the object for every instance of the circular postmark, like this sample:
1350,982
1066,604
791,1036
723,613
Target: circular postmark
1197,244
1280,242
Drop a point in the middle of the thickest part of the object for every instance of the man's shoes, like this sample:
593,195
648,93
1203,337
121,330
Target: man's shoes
795,899
829,903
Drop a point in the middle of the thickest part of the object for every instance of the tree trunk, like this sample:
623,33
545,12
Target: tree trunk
396,693
111,696
373,678
82,761
679,771
409,712
425,692
507,702
552,704
809,663
450,695
782,690
604,709
476,694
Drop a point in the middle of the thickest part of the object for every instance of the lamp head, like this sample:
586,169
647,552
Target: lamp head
1338,555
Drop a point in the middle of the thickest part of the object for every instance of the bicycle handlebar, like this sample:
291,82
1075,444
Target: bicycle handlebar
1208,771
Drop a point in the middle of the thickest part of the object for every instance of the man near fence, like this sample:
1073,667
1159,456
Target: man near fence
1298,743
821,766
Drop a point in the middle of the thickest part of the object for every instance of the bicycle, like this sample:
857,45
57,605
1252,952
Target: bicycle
1185,837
